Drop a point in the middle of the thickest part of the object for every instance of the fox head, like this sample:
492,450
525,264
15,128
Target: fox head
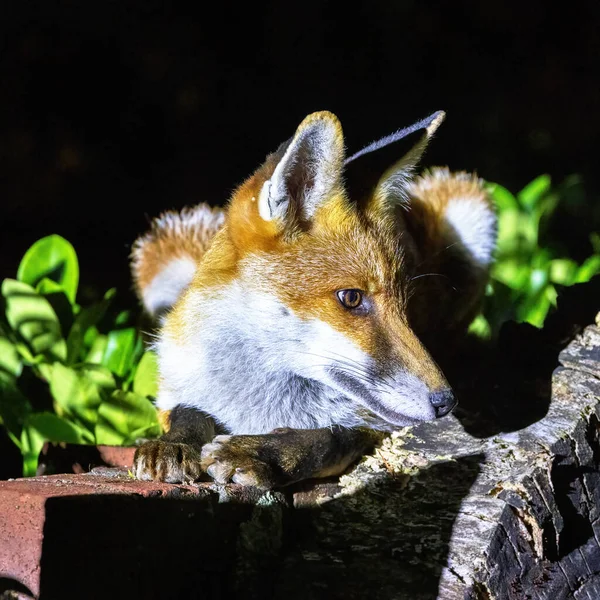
305,290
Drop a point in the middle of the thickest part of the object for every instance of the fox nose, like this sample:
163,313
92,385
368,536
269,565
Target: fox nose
443,402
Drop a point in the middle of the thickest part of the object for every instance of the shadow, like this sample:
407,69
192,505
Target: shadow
11,588
116,546
387,541
507,386
55,274
577,529
36,390
575,479
68,458
63,309
11,464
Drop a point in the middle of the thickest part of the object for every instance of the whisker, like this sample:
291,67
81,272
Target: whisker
357,376
433,275
353,367
352,362
150,334
429,275
345,360
436,254
347,369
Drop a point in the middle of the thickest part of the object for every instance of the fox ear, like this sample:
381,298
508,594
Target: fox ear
308,172
390,190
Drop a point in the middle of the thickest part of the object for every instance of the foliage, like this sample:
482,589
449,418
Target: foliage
69,373
529,269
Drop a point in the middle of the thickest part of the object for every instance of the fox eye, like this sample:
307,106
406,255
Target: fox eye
350,298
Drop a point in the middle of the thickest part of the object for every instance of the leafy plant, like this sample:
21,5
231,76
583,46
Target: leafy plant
69,373
527,272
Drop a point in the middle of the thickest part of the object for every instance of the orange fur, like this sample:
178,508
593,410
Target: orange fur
430,195
303,274
303,262
174,235
164,418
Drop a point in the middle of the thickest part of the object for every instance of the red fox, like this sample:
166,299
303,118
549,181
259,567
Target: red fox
294,322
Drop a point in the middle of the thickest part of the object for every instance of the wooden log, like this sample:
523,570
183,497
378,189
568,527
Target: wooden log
440,513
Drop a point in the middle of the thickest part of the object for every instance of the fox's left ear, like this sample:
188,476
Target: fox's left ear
390,190
308,173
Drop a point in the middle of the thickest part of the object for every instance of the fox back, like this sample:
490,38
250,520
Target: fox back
299,306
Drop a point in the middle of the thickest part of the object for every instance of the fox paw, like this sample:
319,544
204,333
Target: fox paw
166,461
242,459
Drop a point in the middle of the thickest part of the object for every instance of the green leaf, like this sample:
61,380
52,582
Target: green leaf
563,271
31,446
32,316
123,318
528,234
480,327
54,258
89,337
56,296
55,429
122,415
546,207
10,360
534,309
500,306
138,351
87,318
531,195
551,294
46,286
26,354
120,349
76,394
538,280
503,199
509,225
511,273
145,381
100,375
143,433
45,427
589,268
14,406
96,352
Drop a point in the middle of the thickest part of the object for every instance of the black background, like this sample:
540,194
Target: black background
113,111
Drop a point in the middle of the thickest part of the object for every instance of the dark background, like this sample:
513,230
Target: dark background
111,112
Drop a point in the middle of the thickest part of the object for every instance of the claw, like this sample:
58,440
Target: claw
164,461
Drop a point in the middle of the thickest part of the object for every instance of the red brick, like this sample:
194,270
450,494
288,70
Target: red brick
31,546
117,456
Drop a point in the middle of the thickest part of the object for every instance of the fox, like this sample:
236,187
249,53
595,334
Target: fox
297,326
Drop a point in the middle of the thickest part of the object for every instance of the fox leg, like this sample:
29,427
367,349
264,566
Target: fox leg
285,456
175,457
